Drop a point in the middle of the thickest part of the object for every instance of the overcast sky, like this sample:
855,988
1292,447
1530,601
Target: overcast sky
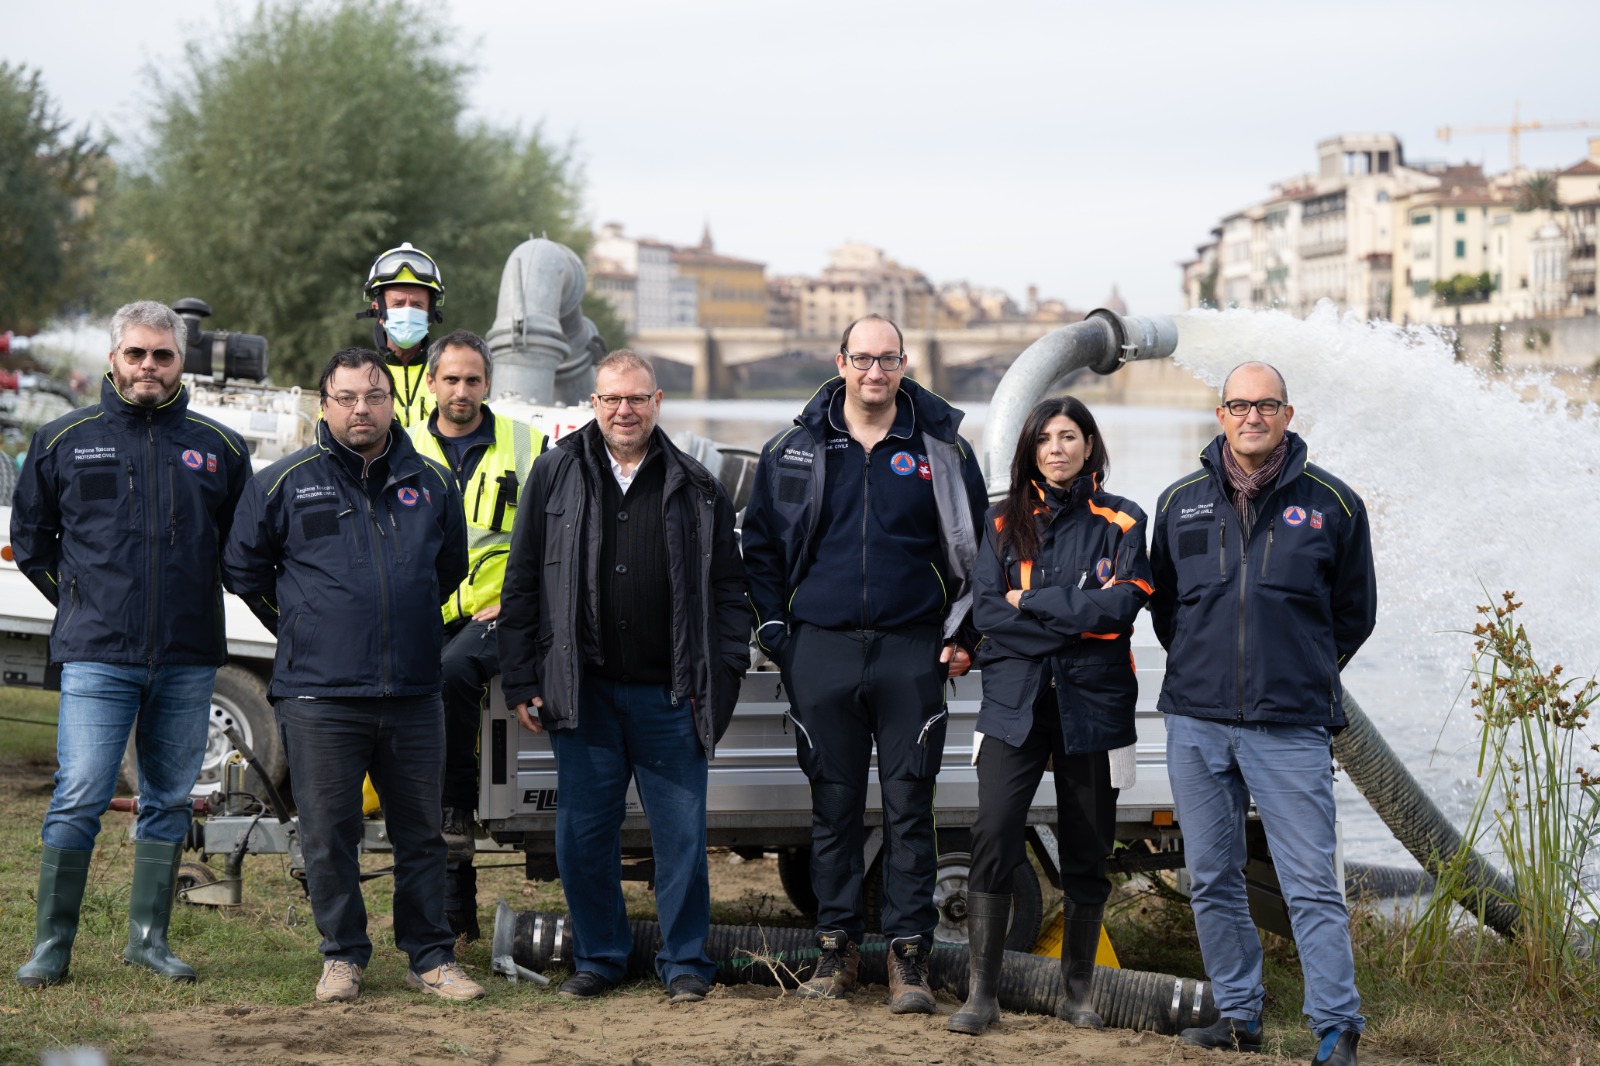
1071,146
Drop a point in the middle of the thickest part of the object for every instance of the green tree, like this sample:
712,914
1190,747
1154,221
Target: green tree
297,145
47,173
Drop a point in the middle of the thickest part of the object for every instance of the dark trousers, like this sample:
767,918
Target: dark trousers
1086,809
471,659
847,688
331,745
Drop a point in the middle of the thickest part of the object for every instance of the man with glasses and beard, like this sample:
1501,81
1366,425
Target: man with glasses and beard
859,540
119,518
1264,588
345,550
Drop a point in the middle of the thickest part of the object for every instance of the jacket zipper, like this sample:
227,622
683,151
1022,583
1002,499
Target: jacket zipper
383,593
153,606
172,506
1244,548
866,494
477,500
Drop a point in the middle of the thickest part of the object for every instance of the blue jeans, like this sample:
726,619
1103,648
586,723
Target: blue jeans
331,745
632,731
101,703
1215,768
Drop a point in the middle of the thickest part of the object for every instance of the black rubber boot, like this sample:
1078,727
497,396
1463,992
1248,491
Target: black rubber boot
1080,940
1337,1048
155,879
988,914
62,875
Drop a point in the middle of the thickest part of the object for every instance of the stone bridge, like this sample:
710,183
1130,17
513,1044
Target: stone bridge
933,353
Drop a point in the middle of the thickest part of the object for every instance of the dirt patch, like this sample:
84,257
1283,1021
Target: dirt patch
736,1026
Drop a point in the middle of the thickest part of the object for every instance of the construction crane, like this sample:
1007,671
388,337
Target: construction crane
1514,131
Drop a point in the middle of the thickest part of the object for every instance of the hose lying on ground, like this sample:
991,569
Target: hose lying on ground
1405,808
1385,882
1125,999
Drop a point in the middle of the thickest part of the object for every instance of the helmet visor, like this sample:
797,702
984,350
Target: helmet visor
392,264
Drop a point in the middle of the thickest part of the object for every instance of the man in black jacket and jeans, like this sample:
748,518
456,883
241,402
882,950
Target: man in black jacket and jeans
345,551
859,538
624,631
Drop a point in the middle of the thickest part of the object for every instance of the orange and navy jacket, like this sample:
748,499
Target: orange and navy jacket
1258,618
1072,628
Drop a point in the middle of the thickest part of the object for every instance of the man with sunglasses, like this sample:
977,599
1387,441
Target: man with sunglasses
346,550
859,542
119,518
1264,589
624,631
404,290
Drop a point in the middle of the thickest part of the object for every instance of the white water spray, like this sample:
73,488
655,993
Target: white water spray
1472,488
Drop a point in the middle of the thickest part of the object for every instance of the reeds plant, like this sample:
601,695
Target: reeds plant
1537,809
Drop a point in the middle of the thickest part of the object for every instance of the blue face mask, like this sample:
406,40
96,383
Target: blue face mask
405,325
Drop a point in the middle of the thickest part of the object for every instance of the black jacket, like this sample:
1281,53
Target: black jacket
1070,628
1257,623
550,602
119,518
349,571
784,520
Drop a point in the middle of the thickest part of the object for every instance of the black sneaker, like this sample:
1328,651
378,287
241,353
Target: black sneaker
585,984
457,826
1232,1034
687,988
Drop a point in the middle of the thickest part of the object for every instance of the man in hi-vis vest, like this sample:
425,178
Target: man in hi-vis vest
490,456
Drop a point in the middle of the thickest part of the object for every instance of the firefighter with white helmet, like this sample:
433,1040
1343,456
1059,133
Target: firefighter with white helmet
404,290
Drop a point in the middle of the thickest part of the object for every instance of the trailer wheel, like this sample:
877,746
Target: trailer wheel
794,874
950,895
193,875
238,697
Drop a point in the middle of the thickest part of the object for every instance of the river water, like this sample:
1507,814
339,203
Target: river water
1473,488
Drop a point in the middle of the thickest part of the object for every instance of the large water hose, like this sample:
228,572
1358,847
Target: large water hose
1125,999
1103,342
1416,822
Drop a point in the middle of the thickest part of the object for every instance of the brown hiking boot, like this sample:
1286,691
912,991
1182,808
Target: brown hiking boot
908,977
837,967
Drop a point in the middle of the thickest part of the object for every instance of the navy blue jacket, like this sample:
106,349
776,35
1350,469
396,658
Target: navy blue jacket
119,517
348,563
1071,627
844,539
1258,622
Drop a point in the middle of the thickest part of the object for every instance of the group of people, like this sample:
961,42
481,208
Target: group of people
389,560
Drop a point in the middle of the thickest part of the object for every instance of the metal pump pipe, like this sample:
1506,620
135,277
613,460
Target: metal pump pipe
1104,342
544,347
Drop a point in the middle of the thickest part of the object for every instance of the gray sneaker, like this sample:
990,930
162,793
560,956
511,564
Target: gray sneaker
341,982
448,981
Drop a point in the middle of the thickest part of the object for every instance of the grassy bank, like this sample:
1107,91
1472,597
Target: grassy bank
1470,1010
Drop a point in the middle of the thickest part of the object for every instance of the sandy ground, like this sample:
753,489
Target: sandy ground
742,1025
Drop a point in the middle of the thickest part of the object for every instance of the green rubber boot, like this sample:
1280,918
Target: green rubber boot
155,879
62,875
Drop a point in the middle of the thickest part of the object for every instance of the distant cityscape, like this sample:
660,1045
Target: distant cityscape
1410,241
651,285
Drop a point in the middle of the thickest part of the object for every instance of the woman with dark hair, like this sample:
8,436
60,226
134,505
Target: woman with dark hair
1058,581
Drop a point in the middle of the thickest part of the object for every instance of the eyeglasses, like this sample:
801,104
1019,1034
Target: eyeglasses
1240,408
611,403
375,398
864,362
134,356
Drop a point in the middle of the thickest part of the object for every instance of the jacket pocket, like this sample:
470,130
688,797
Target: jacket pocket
1097,703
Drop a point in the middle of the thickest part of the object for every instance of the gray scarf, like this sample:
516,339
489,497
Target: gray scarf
1247,486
